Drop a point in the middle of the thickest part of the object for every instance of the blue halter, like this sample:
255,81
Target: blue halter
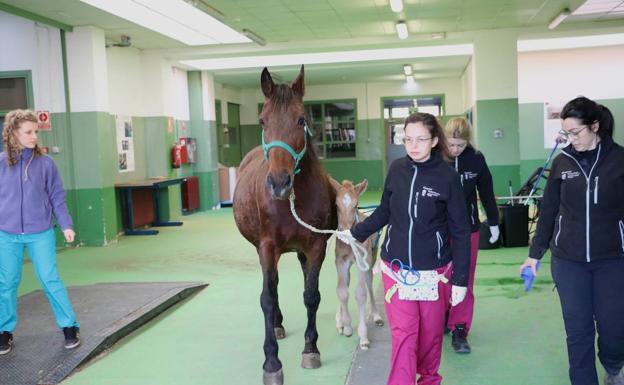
283,145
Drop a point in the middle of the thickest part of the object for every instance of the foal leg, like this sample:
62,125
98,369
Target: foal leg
373,306
360,298
343,318
311,357
268,300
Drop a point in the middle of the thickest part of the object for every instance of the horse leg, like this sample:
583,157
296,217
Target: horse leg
373,306
360,298
273,374
280,332
311,357
343,318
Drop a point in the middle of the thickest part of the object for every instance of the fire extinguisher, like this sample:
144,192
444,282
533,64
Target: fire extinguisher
176,156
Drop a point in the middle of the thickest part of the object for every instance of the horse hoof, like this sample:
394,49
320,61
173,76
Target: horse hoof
274,378
379,322
311,360
364,345
280,333
347,331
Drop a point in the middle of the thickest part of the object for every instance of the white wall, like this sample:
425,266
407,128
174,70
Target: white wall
25,46
368,96
468,87
124,81
181,94
564,74
87,69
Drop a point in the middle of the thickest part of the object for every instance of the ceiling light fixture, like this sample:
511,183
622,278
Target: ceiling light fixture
559,18
238,62
407,69
173,18
396,5
253,36
570,42
401,29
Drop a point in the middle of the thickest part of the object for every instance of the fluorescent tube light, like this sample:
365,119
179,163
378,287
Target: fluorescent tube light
329,57
559,18
253,36
401,29
396,5
570,42
173,18
407,69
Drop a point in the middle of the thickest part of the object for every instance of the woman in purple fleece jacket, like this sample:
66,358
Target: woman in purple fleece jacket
31,192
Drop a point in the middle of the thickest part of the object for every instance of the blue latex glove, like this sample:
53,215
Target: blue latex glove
528,277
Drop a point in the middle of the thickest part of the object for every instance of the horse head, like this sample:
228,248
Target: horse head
285,133
347,198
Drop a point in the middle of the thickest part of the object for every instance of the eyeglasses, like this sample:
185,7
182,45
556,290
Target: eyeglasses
411,141
571,134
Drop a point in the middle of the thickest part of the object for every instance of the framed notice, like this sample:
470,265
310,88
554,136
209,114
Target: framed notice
125,143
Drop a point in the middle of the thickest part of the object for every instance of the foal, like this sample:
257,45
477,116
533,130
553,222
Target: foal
347,196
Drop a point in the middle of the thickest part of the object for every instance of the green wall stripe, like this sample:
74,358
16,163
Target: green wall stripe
501,176
356,171
498,114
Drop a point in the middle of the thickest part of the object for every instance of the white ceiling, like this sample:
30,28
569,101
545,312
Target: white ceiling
291,26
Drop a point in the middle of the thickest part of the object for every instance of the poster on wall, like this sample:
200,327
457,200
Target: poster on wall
125,143
552,122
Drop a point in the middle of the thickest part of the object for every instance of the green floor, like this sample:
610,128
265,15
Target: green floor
216,336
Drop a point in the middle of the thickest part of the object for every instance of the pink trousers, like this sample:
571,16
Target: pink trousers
416,328
463,312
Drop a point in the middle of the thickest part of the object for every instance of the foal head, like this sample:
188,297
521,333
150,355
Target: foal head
347,198
285,133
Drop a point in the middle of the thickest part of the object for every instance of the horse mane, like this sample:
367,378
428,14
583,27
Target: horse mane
282,97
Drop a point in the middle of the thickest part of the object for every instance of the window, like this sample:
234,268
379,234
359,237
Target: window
334,125
15,91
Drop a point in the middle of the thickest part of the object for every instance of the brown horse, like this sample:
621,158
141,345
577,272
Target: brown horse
286,161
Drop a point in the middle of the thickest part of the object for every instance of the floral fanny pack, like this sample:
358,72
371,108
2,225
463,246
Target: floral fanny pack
414,285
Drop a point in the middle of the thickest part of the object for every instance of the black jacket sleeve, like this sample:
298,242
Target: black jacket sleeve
548,215
486,194
459,230
378,219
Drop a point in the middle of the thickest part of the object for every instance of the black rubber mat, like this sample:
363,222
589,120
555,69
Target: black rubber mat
107,312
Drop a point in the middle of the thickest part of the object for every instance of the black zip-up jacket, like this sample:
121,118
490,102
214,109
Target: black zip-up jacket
475,174
423,206
582,213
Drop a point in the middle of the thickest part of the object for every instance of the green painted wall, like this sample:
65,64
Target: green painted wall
357,170
251,137
498,114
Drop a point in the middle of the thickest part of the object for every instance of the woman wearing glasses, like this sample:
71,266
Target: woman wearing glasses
582,222
474,175
423,206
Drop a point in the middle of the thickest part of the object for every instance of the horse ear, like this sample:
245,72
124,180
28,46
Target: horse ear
334,183
267,83
361,187
298,85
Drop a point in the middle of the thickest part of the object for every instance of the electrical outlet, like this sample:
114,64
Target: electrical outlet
498,134
55,150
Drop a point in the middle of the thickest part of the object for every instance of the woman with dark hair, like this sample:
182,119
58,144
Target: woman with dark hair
423,206
582,222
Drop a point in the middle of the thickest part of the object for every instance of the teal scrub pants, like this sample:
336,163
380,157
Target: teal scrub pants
42,251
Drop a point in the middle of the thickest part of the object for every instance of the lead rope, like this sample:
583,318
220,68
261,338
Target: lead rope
359,251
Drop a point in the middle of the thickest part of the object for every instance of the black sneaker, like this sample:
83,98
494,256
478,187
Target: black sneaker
72,337
6,342
460,339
